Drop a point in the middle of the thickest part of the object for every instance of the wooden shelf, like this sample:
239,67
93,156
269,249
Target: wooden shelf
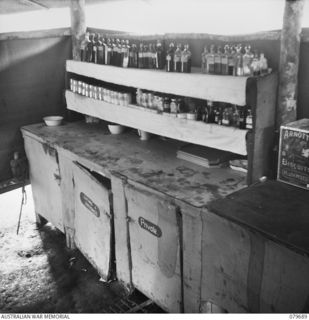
211,135
197,85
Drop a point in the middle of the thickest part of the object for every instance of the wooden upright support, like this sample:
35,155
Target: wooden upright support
289,61
78,26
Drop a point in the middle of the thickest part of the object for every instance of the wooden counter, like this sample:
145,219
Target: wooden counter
152,163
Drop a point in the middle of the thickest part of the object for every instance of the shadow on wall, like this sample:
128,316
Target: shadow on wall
32,80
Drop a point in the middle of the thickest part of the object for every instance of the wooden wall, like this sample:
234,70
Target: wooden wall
32,71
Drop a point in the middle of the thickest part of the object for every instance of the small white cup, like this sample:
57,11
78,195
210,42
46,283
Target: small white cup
144,135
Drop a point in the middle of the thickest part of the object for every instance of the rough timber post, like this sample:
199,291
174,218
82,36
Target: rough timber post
289,61
78,25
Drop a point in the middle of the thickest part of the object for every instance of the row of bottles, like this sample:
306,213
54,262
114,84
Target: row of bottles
179,59
94,48
227,115
233,60
100,93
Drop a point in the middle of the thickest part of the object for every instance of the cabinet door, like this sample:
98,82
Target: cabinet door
155,247
45,181
93,221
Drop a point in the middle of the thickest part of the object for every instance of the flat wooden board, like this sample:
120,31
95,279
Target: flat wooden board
278,210
196,85
151,162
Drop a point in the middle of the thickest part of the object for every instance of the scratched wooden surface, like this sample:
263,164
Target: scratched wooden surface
151,162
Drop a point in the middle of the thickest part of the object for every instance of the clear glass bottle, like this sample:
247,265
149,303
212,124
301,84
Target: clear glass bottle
247,61
255,65
186,60
249,119
263,64
204,60
239,61
218,60
95,48
84,47
211,60
177,58
170,58
89,48
126,53
173,106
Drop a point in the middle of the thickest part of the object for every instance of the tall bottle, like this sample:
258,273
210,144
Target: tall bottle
170,58
239,61
242,117
247,61
211,60
224,60
95,48
100,50
108,52
204,60
232,61
83,47
113,52
186,59
263,64
89,48
211,112
249,119
255,65
177,58
126,54
218,60
141,56
159,55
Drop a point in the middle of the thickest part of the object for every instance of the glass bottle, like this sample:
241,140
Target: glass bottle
177,58
135,56
263,64
112,52
141,56
249,119
218,60
84,47
89,48
170,58
224,60
126,52
166,105
255,65
242,117
204,60
186,59
232,61
159,55
218,114
100,48
247,61
239,61
108,52
211,60
173,106
211,112
235,117
95,48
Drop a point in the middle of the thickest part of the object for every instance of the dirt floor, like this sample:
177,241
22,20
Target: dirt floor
38,274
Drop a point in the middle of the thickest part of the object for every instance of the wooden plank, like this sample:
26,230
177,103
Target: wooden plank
92,221
45,181
202,86
78,26
289,62
155,247
122,243
264,129
211,135
68,206
37,34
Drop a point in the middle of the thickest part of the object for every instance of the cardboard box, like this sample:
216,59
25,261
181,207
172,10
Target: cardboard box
293,163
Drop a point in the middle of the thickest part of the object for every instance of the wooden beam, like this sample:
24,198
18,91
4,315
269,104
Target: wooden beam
78,26
51,33
289,61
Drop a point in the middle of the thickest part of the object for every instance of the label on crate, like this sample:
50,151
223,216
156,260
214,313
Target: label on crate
89,204
293,166
150,227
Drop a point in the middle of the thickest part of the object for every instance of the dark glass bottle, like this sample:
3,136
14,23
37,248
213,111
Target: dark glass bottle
113,52
159,55
177,58
100,48
242,117
89,49
249,119
186,59
218,60
84,47
232,61
211,112
170,58
218,114
224,61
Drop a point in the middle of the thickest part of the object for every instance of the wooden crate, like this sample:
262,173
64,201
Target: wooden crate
293,163
93,225
45,181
